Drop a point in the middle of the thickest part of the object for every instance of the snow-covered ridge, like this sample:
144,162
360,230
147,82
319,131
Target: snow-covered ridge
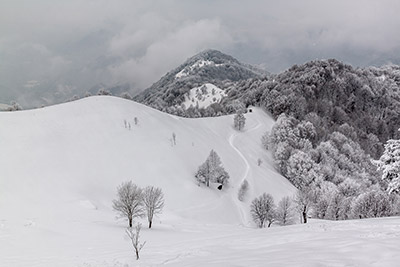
203,96
198,64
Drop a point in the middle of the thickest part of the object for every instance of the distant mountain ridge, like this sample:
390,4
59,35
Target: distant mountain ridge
210,66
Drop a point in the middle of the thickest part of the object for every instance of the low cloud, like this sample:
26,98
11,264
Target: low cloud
79,44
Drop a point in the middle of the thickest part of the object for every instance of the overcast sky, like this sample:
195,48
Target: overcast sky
49,46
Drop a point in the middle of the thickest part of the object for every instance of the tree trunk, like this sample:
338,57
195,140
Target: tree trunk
304,215
137,254
150,223
208,182
130,221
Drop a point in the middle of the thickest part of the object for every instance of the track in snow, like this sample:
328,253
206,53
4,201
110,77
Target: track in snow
242,209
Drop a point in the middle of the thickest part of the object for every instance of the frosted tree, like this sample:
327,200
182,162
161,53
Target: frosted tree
239,120
134,236
129,201
126,95
301,169
372,204
335,206
285,211
153,200
212,171
262,210
14,106
303,200
389,164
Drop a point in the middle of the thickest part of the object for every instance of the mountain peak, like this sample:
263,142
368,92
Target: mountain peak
207,67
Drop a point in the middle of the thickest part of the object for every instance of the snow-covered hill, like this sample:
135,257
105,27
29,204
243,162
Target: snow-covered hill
60,167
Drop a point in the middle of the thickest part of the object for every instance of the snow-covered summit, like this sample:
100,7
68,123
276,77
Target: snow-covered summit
210,66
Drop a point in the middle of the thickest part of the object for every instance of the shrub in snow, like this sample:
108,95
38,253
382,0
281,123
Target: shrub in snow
129,202
262,210
212,171
244,187
134,236
153,200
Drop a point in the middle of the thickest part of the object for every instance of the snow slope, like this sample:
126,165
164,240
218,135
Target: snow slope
60,167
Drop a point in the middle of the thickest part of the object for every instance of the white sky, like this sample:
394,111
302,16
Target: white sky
50,45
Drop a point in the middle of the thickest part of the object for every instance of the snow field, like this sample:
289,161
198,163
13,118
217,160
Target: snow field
61,165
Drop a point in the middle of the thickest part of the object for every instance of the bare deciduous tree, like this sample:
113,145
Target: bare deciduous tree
129,202
284,211
263,210
153,200
134,235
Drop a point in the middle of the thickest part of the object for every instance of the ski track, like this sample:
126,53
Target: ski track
242,210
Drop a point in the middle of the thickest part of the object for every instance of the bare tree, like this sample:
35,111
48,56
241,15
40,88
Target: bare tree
134,235
263,209
129,202
284,211
153,200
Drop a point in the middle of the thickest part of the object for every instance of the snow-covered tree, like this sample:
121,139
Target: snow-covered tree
126,95
303,200
301,169
262,210
372,204
284,211
389,164
14,106
212,171
129,201
239,121
103,91
153,200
